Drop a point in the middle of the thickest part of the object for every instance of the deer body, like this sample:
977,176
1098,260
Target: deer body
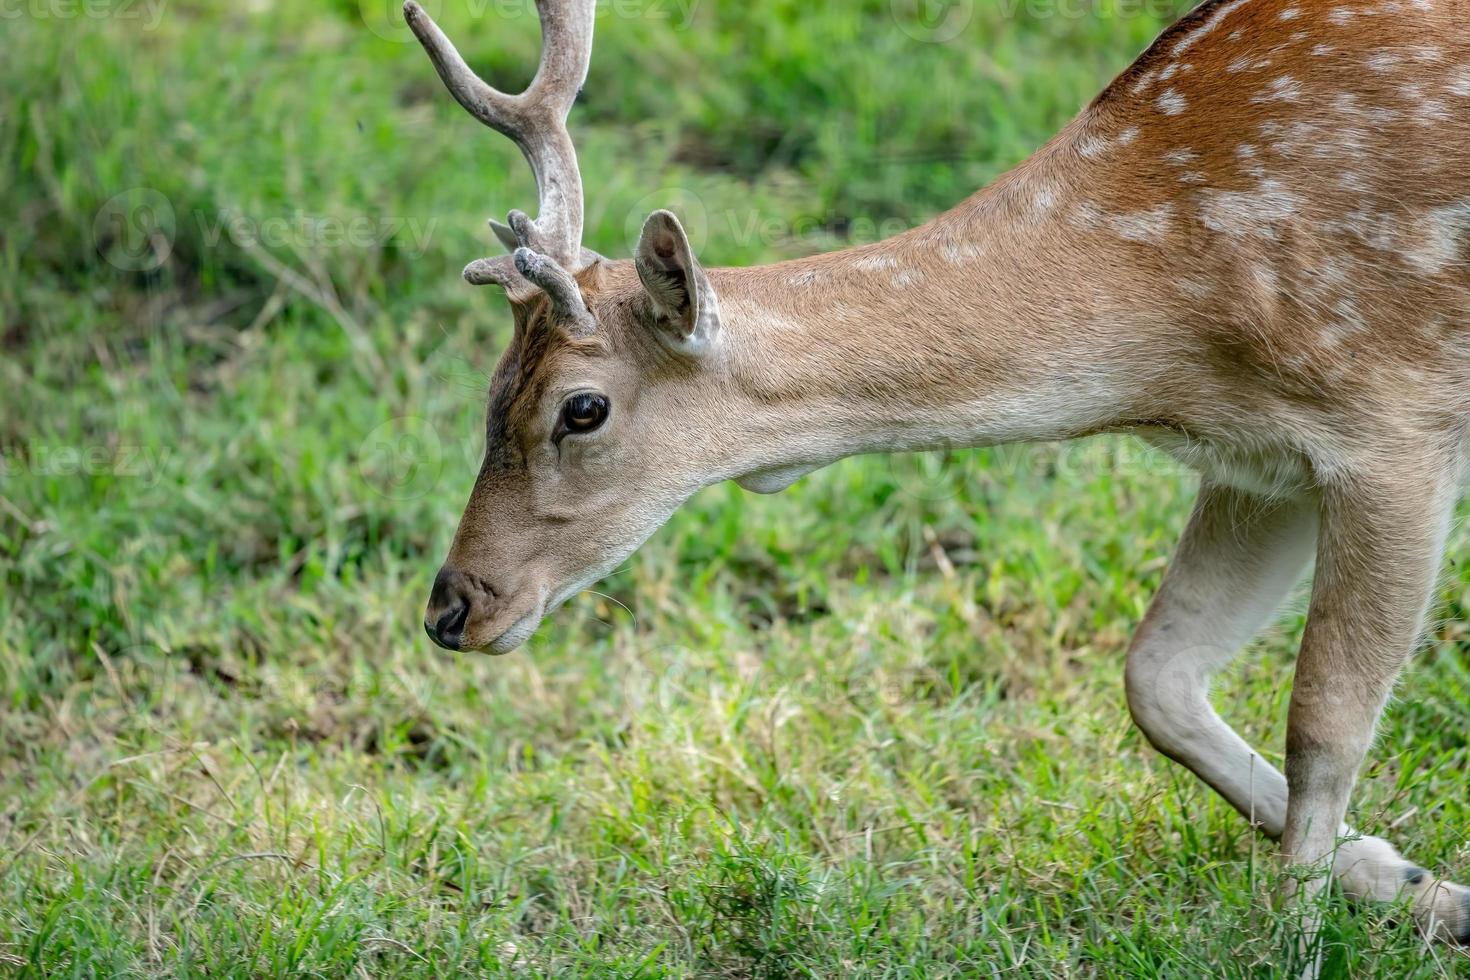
1253,250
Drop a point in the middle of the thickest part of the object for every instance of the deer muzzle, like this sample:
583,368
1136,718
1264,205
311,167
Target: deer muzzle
466,613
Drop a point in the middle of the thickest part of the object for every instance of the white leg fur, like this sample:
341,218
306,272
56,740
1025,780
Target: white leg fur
1239,557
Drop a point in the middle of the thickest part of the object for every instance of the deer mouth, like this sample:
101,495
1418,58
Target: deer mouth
520,624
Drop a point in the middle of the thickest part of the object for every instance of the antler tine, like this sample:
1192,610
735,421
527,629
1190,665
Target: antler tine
535,119
566,54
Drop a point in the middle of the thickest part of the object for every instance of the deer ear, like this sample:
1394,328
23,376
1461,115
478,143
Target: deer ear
683,303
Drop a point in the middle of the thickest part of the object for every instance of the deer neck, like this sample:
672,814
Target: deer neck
996,322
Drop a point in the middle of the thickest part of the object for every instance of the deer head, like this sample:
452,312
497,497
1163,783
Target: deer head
594,406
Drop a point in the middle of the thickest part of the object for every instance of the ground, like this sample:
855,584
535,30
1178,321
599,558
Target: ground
873,725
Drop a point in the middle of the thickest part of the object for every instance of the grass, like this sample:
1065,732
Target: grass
873,726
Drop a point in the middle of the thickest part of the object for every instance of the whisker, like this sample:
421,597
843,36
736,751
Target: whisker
615,602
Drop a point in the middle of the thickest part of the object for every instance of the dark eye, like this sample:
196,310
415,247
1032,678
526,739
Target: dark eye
583,413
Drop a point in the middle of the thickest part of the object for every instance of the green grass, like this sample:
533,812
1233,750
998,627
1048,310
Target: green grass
226,747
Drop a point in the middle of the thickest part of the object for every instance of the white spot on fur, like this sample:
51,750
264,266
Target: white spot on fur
1249,161
1144,226
1290,13
958,253
1168,72
1092,145
1383,61
1193,288
1180,156
1191,177
1247,214
1086,214
1128,135
1043,198
1188,40
1374,229
1443,234
1282,89
1347,104
1144,81
1340,15
1431,111
906,278
1346,321
874,263
1322,50
1297,137
1459,83
1349,319
1171,103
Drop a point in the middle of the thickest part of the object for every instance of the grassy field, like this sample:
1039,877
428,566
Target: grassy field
873,726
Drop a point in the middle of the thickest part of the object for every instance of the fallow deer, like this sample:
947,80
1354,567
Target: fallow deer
1250,250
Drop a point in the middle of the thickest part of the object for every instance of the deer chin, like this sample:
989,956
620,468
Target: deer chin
519,632
522,623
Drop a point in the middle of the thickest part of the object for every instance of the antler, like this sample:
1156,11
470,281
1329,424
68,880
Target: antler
536,120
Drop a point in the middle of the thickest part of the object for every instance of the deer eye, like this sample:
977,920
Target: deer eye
583,413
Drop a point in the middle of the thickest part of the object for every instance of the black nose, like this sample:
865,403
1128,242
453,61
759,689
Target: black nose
449,607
